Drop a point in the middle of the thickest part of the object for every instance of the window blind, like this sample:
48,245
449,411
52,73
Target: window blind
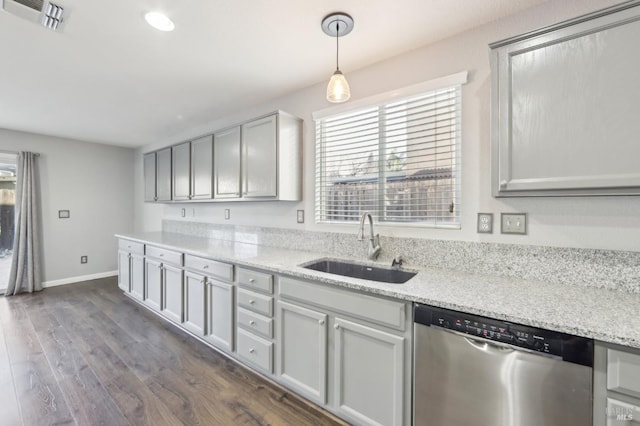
399,161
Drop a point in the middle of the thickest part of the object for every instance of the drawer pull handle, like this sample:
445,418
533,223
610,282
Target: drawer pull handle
205,267
252,302
252,322
336,326
252,280
251,350
161,255
321,322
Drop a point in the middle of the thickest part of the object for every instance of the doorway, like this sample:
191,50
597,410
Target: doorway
7,215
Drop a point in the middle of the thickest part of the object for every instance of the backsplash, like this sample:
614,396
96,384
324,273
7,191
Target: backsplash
616,270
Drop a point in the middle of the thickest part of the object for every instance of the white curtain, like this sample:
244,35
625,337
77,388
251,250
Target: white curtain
25,266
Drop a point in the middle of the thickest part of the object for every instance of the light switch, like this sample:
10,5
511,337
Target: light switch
227,214
513,223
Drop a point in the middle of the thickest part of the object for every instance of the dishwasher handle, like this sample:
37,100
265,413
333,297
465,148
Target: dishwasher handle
486,346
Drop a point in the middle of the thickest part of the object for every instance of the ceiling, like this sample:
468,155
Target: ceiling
108,77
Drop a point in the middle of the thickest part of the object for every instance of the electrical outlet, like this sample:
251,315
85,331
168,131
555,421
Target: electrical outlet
183,212
84,259
514,223
485,223
300,216
227,214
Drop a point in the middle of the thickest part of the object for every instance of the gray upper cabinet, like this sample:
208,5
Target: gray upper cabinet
202,168
272,158
181,176
163,175
149,165
226,155
564,108
259,158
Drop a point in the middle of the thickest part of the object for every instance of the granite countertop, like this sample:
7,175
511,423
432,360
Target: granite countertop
606,315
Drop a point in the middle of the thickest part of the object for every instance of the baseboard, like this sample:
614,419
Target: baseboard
78,279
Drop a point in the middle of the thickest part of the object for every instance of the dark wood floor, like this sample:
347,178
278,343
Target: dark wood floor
84,354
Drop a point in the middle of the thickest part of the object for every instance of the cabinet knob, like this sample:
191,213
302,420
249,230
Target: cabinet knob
205,267
321,322
336,326
251,350
252,280
503,184
161,255
252,302
203,281
252,322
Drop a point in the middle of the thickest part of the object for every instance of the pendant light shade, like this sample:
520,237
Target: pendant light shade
338,88
336,25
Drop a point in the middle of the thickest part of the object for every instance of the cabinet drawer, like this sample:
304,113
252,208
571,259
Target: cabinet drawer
374,309
622,413
623,372
256,323
255,350
209,267
255,302
166,256
255,280
131,246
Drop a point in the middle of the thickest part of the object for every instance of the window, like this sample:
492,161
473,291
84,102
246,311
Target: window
398,160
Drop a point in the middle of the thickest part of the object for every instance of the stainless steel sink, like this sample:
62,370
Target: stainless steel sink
365,272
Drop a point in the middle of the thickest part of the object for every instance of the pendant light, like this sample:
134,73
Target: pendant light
336,25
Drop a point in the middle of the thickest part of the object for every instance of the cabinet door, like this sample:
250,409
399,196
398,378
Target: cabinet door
226,157
152,283
621,413
124,271
259,158
172,293
181,175
368,374
163,175
202,168
149,165
220,314
195,289
301,350
137,276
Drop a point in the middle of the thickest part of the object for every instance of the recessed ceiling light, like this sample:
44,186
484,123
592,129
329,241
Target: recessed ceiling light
159,21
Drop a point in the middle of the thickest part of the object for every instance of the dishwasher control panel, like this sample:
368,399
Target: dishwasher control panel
531,338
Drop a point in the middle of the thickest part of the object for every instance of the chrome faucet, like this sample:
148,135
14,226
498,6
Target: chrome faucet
374,240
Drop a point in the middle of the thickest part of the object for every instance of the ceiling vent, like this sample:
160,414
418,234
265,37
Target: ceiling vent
43,12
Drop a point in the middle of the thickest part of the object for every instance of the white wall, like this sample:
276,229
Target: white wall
589,222
93,181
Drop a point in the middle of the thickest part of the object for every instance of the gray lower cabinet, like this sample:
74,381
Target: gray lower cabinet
368,375
219,318
348,351
616,385
124,271
137,276
131,267
301,346
208,309
171,305
153,283
195,289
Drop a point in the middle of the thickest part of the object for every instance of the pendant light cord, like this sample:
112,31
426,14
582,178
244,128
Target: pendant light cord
337,44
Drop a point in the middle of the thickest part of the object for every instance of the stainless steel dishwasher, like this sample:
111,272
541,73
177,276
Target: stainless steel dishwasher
472,370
